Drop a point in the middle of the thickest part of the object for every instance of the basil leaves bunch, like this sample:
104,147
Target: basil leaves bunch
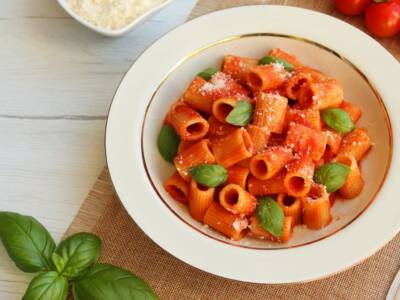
72,263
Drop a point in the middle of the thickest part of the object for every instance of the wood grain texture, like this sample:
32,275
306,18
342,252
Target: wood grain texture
49,55
57,79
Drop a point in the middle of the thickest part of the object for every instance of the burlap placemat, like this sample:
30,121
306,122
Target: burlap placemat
127,246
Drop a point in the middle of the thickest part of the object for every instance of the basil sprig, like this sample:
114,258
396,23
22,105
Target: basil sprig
210,175
168,142
72,263
332,175
241,114
266,60
270,215
337,119
208,73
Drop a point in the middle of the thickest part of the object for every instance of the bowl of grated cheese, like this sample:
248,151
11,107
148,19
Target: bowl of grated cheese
112,17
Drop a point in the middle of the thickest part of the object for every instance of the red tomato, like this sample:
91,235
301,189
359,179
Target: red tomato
383,19
351,7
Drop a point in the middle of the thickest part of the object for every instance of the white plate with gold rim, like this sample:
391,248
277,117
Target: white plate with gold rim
366,70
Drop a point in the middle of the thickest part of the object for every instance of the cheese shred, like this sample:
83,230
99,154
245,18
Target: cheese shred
112,14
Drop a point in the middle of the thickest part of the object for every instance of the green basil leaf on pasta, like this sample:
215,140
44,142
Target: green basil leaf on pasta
78,252
168,142
47,286
241,114
337,119
332,175
211,175
27,242
270,215
266,60
208,73
104,281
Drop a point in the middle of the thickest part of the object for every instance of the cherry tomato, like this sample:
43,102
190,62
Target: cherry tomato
383,18
351,7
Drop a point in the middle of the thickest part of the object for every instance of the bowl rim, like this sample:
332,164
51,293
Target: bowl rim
111,32
360,251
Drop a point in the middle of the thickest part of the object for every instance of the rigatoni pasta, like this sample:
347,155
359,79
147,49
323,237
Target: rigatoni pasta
266,77
188,123
272,186
201,93
305,141
262,146
270,162
200,198
194,155
291,207
270,111
233,148
222,107
177,187
220,219
238,67
316,207
321,95
259,135
356,143
237,200
299,177
354,183
238,175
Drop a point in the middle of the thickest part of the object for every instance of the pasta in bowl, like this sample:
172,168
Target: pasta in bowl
261,146
221,166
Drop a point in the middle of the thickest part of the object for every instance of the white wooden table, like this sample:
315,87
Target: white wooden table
57,80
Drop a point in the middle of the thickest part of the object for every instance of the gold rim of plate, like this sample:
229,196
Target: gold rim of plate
225,40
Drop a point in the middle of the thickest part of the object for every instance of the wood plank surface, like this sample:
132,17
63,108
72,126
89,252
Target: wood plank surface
57,80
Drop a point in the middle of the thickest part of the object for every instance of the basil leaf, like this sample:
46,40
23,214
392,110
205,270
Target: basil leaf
337,119
47,286
58,262
332,175
209,175
266,60
270,215
78,252
241,114
168,143
208,73
107,282
27,242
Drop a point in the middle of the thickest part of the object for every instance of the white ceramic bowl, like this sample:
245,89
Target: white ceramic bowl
360,227
113,32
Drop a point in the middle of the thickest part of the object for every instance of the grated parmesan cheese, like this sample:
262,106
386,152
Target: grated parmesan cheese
112,14
240,224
